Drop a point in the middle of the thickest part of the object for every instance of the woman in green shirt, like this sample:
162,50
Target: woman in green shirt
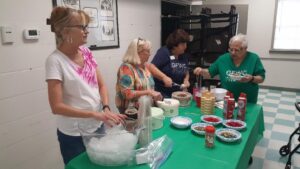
239,70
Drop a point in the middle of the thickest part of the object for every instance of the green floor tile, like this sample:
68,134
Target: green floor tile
284,122
280,136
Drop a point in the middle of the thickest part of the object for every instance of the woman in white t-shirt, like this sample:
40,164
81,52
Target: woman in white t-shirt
75,86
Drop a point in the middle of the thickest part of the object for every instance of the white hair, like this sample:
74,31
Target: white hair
136,45
239,38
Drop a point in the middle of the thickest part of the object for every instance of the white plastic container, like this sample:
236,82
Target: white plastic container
219,93
169,106
157,118
144,118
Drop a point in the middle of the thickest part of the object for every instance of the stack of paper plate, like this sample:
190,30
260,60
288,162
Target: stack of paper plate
208,103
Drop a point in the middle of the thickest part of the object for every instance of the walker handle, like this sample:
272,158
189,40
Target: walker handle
297,104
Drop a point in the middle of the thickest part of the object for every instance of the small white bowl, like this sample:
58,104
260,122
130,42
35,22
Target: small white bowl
181,122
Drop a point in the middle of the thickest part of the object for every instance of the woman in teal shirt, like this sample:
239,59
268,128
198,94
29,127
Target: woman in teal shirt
237,63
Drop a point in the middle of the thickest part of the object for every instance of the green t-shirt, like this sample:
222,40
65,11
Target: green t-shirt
224,67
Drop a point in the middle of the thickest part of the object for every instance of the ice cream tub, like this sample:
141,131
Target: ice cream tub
157,118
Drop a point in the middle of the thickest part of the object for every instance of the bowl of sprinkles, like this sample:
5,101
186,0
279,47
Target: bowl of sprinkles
211,119
228,135
199,128
234,124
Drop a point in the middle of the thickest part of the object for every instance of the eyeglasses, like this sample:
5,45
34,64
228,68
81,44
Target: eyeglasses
82,27
146,51
231,50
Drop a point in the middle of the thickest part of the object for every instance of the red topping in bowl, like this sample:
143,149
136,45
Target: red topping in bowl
234,124
211,119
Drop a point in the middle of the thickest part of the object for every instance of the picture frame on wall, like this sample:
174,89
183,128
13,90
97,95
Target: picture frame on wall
103,27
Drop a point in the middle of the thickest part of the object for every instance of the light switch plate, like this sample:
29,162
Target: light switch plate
7,34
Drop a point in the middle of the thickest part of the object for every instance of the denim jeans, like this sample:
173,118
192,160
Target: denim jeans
70,146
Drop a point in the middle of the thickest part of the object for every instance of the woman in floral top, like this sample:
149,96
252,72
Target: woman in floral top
134,76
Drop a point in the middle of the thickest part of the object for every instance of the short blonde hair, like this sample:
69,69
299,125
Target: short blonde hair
136,45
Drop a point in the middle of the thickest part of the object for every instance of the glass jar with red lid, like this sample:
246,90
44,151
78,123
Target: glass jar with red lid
209,136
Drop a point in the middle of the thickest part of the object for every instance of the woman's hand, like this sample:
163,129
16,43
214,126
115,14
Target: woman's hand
186,84
110,118
167,81
155,95
197,71
247,79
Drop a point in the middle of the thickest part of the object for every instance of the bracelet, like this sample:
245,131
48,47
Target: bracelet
105,106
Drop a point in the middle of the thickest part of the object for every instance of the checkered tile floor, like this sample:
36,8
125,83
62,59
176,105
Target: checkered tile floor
281,119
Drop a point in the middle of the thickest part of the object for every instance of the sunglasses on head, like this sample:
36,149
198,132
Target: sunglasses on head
138,41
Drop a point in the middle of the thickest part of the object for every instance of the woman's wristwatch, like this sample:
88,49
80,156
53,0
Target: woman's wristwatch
105,107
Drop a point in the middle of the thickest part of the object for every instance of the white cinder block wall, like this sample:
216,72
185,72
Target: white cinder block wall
27,127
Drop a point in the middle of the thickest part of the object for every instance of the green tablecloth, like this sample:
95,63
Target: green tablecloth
189,151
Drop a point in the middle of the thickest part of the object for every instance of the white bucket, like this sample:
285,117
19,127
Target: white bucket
157,118
169,106
219,93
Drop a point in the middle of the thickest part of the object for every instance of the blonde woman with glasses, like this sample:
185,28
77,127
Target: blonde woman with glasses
239,70
76,88
134,77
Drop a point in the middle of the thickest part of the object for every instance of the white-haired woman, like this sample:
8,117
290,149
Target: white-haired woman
240,63
134,76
